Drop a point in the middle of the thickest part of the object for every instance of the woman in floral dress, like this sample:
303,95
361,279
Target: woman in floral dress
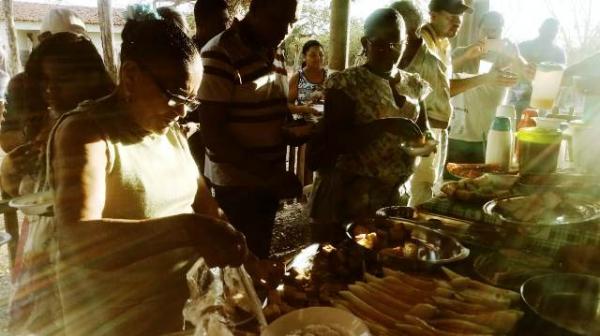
370,111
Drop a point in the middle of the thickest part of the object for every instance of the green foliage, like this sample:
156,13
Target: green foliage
314,24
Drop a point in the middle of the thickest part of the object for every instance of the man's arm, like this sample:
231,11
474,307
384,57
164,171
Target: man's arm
495,77
466,54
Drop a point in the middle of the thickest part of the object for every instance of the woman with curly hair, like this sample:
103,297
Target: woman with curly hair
132,211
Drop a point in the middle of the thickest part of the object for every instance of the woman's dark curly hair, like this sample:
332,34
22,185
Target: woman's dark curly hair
155,42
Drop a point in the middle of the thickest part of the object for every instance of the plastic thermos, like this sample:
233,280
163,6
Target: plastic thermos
509,112
499,143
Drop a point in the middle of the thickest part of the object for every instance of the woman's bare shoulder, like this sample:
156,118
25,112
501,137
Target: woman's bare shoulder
78,128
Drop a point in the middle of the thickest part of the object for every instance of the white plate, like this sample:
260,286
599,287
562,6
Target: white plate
302,318
34,204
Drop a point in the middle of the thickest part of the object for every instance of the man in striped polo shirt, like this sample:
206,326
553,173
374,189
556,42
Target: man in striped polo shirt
244,106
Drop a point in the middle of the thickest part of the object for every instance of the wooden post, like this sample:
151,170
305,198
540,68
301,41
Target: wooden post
338,38
106,30
469,32
13,46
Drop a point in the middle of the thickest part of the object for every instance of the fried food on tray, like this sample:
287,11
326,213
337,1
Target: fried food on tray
531,208
472,170
403,304
320,271
483,188
394,240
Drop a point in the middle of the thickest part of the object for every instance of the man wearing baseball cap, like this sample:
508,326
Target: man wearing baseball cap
433,61
457,7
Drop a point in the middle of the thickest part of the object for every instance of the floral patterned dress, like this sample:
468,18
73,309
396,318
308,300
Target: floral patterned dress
365,180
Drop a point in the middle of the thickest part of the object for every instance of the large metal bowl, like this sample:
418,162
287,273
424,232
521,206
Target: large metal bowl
569,301
440,248
587,210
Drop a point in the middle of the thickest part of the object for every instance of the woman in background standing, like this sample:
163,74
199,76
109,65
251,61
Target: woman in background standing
306,86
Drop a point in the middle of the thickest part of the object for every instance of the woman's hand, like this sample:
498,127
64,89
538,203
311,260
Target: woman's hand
218,241
21,161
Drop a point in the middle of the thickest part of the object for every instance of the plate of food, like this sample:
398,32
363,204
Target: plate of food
317,321
544,209
406,245
34,204
509,268
473,170
480,189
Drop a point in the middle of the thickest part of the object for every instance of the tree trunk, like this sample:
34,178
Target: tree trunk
338,39
13,47
106,31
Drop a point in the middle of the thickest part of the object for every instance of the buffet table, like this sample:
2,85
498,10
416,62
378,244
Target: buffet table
405,272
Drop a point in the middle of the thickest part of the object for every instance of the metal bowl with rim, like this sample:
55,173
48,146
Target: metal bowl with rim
568,301
396,212
584,210
434,248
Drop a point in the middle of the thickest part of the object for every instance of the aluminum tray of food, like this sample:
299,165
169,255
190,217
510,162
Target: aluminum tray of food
403,244
480,189
568,301
471,233
544,209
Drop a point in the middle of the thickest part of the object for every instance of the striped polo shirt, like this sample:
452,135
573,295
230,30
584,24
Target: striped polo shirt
251,85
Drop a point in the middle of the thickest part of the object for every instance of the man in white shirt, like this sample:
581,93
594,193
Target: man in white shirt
433,61
474,110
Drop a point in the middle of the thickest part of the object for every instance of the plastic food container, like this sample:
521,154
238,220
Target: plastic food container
538,150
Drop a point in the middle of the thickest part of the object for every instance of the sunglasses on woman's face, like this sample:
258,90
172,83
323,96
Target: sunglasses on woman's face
386,46
173,99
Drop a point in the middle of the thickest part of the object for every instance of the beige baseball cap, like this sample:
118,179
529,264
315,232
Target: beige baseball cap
62,20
